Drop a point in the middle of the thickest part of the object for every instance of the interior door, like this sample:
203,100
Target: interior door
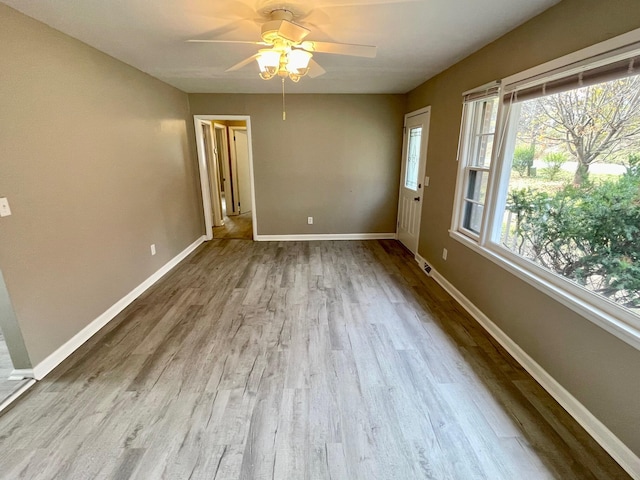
241,147
222,151
213,171
414,161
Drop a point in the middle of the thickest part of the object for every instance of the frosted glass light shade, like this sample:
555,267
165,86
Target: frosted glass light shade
268,61
298,61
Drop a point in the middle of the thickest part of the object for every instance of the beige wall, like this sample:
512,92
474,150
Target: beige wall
336,158
597,368
97,162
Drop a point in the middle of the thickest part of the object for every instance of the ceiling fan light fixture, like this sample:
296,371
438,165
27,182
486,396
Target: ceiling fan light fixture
269,63
298,62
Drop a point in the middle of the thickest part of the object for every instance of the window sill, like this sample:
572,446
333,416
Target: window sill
612,324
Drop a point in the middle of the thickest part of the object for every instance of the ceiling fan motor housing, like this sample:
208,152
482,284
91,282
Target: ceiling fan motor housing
281,27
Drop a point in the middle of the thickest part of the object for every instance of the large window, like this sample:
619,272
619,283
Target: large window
563,202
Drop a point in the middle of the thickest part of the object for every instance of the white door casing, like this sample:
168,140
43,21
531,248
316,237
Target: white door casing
412,177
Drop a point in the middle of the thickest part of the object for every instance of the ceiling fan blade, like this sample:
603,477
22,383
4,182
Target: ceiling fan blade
368,51
315,70
228,41
243,63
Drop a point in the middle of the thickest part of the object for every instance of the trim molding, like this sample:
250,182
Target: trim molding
53,360
21,374
15,395
601,434
325,236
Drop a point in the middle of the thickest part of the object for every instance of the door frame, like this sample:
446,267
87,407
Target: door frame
404,151
204,171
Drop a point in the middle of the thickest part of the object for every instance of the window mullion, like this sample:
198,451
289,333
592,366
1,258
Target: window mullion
499,177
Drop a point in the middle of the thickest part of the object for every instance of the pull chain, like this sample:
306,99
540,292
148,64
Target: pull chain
284,112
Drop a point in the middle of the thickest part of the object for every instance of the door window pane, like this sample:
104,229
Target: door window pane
413,158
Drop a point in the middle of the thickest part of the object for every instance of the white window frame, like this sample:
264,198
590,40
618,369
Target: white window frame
464,151
605,313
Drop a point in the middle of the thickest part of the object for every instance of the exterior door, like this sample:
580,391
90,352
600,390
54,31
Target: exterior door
414,161
241,148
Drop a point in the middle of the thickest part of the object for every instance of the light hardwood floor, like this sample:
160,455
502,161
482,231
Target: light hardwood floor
237,227
318,360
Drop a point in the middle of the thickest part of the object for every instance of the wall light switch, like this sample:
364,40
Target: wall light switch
153,249
5,211
426,181
444,253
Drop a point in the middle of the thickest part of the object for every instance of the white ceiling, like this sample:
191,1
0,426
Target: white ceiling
416,39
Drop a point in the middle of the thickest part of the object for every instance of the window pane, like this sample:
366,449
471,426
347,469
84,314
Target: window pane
573,198
477,188
484,125
486,115
472,216
413,158
484,150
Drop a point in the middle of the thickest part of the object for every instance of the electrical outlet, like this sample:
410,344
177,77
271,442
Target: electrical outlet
5,211
153,249
426,181
309,220
444,253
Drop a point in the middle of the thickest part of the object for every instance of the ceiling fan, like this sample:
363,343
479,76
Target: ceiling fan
289,55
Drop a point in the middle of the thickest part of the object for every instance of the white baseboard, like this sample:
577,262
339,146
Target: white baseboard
11,398
325,236
21,374
53,360
601,434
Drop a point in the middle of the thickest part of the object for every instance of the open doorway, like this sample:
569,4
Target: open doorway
226,176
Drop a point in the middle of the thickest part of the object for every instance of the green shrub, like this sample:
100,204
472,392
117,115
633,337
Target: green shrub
554,162
523,159
588,233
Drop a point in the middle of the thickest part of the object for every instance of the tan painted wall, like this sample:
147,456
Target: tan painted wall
336,158
597,368
97,162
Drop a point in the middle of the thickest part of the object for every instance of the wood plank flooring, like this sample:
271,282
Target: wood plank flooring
292,360
237,227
